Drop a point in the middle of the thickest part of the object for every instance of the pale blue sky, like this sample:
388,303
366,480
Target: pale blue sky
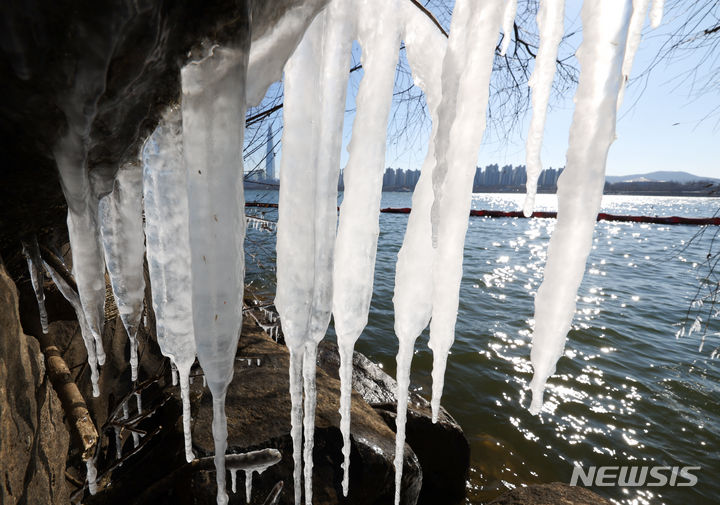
660,126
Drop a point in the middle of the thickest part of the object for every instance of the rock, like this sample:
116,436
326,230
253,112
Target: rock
128,56
33,438
555,493
441,448
258,411
258,414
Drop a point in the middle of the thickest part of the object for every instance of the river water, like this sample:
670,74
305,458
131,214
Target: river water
626,392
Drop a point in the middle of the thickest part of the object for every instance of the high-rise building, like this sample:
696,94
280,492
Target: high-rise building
506,175
519,176
478,179
270,158
399,177
492,175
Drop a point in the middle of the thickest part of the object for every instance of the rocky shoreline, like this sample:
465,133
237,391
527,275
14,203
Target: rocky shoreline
42,459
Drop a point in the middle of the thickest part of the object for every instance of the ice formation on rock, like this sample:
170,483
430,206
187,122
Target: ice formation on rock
233,481
195,223
168,251
84,233
461,124
425,48
605,29
88,339
91,475
550,20
307,215
249,463
378,32
124,245
213,111
31,251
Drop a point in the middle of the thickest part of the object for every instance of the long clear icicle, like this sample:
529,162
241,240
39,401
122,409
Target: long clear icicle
580,188
465,125
453,64
307,214
71,296
656,13
168,251
84,232
379,35
91,475
508,23
637,20
124,244
213,111
31,251
425,48
550,20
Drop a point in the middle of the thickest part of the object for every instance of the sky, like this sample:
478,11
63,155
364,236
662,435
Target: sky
660,126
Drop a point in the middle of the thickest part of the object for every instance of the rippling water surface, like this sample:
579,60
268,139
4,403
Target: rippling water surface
626,392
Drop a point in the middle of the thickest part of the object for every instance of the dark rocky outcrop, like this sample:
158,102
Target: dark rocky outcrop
33,438
441,448
555,493
258,409
121,60
258,412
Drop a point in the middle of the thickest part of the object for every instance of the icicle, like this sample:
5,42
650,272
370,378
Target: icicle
84,233
118,443
124,245
213,112
135,435
656,13
174,372
312,138
31,251
256,461
258,361
356,244
605,27
459,156
640,8
425,49
87,335
204,381
550,19
233,480
91,475
271,50
79,103
248,485
168,252
453,64
508,23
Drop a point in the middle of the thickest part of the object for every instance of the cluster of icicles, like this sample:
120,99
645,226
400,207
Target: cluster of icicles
189,183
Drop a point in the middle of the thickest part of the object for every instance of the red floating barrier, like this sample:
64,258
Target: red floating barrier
695,221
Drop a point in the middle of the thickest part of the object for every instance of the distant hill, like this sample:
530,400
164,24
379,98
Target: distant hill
661,176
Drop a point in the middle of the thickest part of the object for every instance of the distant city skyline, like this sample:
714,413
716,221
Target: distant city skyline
660,125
